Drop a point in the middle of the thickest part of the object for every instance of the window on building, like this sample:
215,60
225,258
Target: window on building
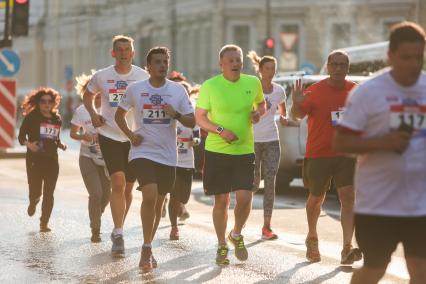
341,35
386,26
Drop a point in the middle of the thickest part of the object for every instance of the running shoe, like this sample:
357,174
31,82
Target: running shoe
146,261
44,228
174,233
267,234
240,249
117,249
350,255
312,251
222,255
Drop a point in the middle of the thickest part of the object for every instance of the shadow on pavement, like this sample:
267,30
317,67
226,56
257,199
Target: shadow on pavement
331,274
285,276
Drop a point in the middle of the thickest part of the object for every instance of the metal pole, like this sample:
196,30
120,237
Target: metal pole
173,29
268,18
7,38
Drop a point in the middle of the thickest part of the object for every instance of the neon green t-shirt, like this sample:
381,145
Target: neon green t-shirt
229,104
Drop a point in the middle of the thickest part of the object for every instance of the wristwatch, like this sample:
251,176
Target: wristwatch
177,115
219,129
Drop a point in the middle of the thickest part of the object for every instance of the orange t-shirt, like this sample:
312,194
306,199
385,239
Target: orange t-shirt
323,107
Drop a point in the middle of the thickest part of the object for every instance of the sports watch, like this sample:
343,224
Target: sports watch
177,115
219,129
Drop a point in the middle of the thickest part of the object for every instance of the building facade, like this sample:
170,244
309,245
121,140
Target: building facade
70,37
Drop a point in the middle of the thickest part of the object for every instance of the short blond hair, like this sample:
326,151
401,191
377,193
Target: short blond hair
230,47
122,38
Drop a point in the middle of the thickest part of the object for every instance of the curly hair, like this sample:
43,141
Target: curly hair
32,100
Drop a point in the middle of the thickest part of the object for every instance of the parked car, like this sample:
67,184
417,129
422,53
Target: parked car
293,137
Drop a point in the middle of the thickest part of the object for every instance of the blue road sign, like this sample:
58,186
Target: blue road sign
308,68
9,63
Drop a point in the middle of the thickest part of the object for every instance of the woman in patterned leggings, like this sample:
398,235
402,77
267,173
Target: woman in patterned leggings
267,144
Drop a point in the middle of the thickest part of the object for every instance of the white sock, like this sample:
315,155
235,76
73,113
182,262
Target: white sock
235,236
117,231
147,246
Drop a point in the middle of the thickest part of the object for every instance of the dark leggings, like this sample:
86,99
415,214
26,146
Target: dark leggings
42,173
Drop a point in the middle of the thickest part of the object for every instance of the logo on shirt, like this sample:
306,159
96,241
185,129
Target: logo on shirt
178,130
248,92
110,81
144,95
121,85
156,99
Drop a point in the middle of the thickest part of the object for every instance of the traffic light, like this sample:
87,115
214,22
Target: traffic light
269,45
20,16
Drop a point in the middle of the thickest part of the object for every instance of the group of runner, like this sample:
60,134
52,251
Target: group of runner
142,126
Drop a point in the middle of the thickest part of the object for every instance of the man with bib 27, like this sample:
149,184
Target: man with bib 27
385,125
111,83
323,104
227,106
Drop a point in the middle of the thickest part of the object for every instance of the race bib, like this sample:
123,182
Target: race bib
183,145
115,96
413,116
336,115
155,114
49,131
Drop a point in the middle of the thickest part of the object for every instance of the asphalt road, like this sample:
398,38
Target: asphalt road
67,255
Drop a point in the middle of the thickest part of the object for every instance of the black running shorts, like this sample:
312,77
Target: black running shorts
150,172
116,156
182,188
378,236
224,173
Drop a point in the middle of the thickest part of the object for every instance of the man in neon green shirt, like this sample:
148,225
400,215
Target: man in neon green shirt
227,107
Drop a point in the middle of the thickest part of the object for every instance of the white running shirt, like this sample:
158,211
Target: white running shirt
81,118
156,127
386,183
266,129
112,86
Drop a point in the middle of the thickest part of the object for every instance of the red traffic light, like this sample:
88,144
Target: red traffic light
21,1
269,43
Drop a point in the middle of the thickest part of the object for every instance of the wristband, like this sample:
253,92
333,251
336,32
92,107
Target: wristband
177,115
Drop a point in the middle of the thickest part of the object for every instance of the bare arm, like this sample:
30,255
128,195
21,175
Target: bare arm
283,114
347,142
299,97
88,101
187,120
257,113
201,117
77,136
120,119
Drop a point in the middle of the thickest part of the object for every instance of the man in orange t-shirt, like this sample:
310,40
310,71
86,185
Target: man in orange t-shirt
323,104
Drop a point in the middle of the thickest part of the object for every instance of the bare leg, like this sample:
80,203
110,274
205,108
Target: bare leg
117,200
220,216
129,197
149,200
313,211
242,209
347,198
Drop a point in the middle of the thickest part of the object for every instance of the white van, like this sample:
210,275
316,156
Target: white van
293,137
